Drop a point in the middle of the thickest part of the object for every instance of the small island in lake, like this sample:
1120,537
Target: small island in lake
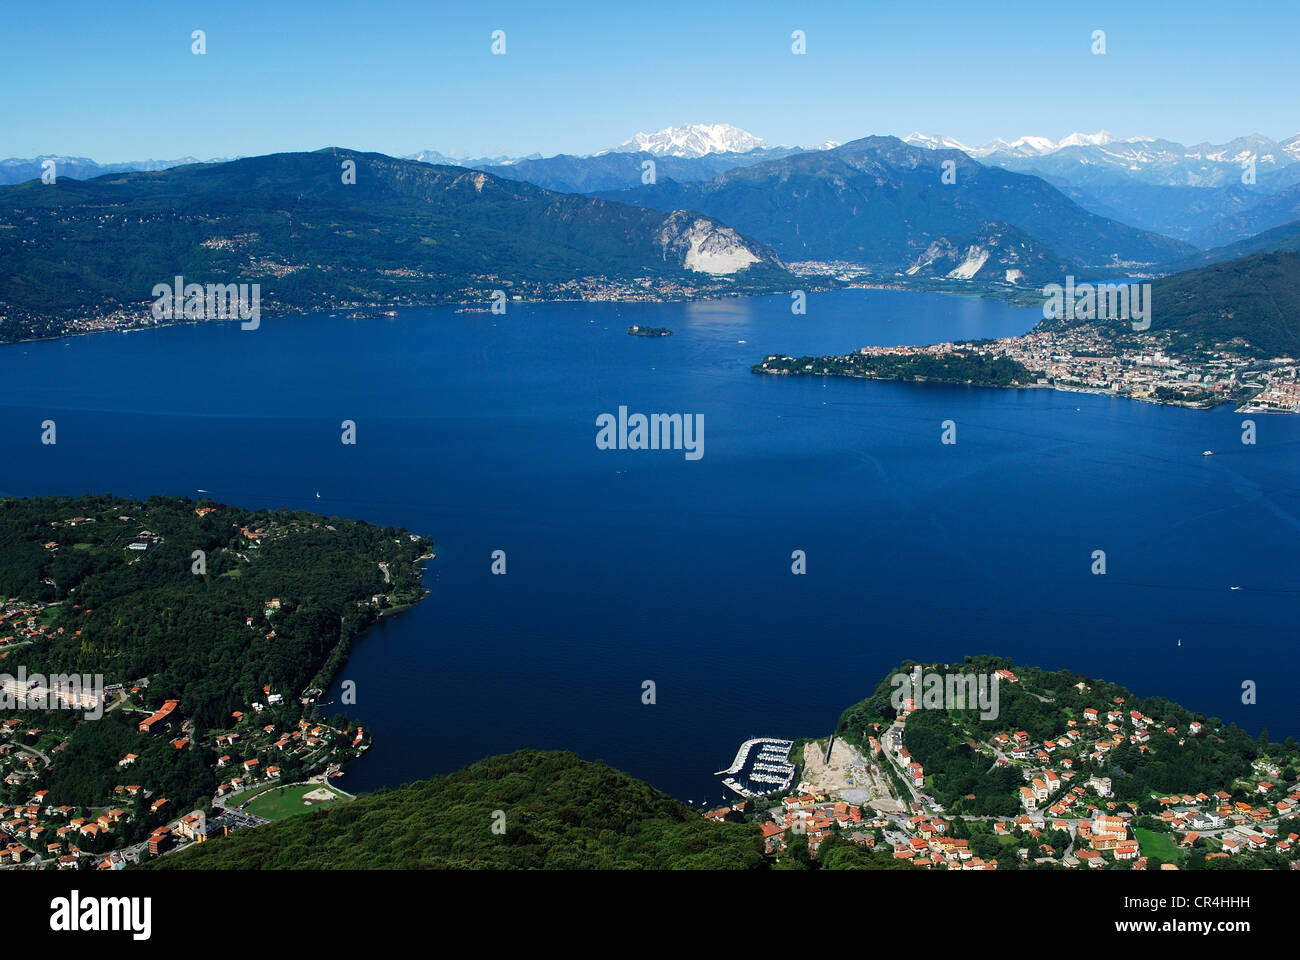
636,330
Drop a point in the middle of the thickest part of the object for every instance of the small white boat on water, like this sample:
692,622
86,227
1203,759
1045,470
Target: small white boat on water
1207,453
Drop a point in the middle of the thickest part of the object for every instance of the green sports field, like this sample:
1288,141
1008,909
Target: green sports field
273,804
1161,846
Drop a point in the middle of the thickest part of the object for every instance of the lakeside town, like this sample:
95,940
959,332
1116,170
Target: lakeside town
1086,358
138,820
180,781
479,293
877,795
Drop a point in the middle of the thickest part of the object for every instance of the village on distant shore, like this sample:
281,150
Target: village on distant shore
1081,359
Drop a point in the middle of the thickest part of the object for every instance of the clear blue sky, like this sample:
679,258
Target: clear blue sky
118,82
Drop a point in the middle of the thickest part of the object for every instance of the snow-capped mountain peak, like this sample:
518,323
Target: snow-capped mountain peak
692,140
1099,139
1101,156
919,139
1027,146
1033,146
442,159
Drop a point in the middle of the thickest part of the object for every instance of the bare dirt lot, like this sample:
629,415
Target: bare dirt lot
849,775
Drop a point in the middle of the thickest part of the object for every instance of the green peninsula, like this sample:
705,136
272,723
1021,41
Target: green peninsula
958,366
205,632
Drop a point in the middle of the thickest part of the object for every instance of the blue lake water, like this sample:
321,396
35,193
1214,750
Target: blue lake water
625,566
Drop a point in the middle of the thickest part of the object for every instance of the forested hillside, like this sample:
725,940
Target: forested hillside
557,813
1255,299
958,749
120,596
399,233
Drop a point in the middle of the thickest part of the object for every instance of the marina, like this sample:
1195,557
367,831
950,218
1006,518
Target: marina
769,770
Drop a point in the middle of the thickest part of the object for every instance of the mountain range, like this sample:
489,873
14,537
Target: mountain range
686,154
1282,239
20,170
1191,193
411,231
693,140
1156,154
1200,194
404,232
617,170
882,202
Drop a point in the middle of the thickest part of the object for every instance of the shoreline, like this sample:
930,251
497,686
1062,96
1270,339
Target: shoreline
459,304
813,286
343,649
1243,407
418,562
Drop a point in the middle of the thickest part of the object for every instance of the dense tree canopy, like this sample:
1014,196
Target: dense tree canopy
558,813
131,614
